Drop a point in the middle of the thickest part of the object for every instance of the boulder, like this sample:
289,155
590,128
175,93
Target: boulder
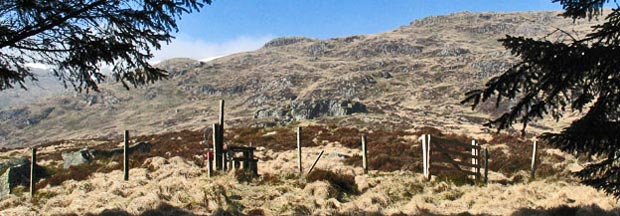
81,156
15,172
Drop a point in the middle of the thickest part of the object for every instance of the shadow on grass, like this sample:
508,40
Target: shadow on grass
163,209
568,211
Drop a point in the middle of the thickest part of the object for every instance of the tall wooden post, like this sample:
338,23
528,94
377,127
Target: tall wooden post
364,155
217,148
222,113
33,164
221,136
126,156
299,150
533,165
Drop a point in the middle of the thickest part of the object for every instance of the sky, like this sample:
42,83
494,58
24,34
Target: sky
231,26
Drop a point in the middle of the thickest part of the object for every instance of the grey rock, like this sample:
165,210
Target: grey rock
16,172
319,48
76,158
490,68
450,51
384,47
310,109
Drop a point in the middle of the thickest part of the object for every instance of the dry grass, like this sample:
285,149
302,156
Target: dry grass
166,174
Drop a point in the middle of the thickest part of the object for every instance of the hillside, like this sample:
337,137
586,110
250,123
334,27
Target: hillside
392,87
410,77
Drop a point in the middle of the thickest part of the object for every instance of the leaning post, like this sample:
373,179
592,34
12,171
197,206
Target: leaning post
364,154
33,163
126,156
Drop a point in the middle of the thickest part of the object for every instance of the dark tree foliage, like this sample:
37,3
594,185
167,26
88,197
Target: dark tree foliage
79,37
579,74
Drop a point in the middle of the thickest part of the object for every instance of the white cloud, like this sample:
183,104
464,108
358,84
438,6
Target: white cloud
187,47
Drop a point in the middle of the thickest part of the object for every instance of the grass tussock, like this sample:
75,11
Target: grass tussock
344,184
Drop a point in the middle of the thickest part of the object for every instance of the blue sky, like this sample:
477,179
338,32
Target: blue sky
229,26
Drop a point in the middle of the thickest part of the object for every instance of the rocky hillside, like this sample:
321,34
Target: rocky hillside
410,77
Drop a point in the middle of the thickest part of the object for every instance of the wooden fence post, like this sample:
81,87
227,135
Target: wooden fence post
33,163
221,136
533,166
364,155
209,167
424,170
299,150
217,148
126,156
428,156
486,165
315,161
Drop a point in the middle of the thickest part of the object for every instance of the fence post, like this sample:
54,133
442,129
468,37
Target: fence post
486,165
315,161
126,156
217,148
221,136
424,170
428,156
364,155
209,166
299,150
533,166
33,163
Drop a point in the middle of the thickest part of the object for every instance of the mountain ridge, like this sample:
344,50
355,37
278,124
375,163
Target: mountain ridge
409,77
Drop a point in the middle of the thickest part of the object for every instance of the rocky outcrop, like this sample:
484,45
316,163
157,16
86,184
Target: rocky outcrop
86,155
21,118
384,47
319,48
310,109
450,51
283,41
490,67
